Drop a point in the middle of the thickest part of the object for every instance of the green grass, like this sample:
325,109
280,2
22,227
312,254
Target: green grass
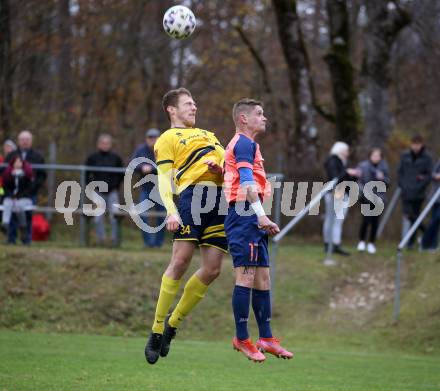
113,292
52,292
34,361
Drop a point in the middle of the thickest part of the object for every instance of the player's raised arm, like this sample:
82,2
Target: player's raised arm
250,188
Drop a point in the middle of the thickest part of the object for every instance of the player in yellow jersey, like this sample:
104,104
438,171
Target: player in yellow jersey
187,156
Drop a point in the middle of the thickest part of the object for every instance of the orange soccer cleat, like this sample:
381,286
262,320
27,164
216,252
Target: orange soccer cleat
272,346
248,349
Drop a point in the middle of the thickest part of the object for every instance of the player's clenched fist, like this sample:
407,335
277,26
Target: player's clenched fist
269,226
173,223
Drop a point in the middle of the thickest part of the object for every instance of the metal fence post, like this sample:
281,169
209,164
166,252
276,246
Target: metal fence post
388,212
277,220
82,219
51,179
396,308
401,246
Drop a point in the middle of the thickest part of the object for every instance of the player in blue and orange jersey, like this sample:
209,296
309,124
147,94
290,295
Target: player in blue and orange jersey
187,156
247,228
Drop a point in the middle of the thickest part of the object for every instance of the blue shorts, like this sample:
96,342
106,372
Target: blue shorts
247,243
204,228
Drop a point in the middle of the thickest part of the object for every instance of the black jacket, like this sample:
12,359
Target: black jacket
414,174
105,159
435,184
33,157
335,168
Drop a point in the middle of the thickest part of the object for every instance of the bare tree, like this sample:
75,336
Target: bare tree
5,69
342,72
64,56
303,141
385,21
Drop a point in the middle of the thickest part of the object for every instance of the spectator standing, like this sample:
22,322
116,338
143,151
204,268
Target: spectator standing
27,153
336,167
8,147
18,186
414,177
430,237
146,150
32,156
375,168
105,157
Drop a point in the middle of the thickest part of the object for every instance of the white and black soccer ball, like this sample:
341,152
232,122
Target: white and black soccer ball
179,22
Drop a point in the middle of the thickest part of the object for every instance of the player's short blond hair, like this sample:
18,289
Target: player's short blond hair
244,105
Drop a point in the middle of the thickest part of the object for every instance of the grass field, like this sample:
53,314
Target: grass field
77,319
34,361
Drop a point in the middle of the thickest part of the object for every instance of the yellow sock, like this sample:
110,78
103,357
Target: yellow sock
168,291
194,292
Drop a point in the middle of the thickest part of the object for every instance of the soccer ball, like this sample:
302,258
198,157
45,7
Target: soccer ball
179,22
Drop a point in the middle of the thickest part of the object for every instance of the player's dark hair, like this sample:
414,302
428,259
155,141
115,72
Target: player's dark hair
171,98
417,139
375,149
244,105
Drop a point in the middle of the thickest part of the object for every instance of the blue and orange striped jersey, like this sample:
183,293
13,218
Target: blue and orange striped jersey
244,152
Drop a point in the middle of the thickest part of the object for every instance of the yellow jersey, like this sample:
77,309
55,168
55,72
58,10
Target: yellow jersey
180,157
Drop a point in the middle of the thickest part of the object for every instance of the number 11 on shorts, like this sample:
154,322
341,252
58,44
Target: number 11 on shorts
254,252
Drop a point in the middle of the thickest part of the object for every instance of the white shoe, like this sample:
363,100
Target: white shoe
329,262
371,248
361,246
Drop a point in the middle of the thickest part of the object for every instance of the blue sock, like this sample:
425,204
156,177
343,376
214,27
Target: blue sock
240,305
263,311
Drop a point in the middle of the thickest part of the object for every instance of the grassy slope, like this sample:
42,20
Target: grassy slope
33,361
59,289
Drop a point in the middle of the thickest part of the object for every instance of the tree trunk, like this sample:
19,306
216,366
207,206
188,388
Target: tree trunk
65,73
384,24
272,107
303,140
341,71
5,70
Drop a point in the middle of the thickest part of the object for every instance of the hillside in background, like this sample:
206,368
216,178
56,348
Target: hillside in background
113,292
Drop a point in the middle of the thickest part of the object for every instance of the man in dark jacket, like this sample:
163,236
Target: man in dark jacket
430,237
105,157
30,155
146,150
414,177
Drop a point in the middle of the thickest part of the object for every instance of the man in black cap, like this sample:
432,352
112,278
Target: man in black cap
146,150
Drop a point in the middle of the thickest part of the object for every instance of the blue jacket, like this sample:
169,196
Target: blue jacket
145,151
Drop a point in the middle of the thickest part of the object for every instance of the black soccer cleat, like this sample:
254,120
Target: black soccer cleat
152,349
168,334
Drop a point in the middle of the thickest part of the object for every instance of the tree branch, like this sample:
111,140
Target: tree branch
254,52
